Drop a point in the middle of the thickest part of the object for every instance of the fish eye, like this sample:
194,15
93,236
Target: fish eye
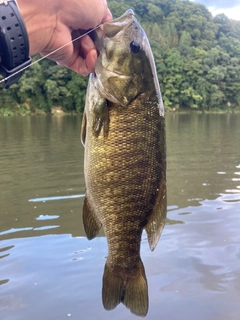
135,46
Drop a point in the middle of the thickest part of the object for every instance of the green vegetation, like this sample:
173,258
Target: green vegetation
44,86
197,59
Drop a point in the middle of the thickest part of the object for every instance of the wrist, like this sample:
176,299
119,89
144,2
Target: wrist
14,44
39,22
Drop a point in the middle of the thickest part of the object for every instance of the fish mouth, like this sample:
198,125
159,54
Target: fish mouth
112,28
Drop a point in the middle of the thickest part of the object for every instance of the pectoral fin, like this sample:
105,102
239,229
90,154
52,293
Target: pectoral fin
96,114
84,128
156,220
100,117
91,223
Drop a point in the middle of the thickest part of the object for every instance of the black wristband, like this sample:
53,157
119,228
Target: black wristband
14,44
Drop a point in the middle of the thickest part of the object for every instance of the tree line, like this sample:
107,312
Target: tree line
197,58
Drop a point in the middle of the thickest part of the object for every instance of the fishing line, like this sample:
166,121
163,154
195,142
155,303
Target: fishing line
47,55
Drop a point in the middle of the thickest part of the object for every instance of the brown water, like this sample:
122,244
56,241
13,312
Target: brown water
49,270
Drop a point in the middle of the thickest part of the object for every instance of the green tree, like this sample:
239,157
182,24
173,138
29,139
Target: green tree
197,59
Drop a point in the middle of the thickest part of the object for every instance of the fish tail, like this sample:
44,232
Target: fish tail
131,290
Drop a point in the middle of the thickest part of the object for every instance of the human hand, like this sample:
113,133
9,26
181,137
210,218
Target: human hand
53,23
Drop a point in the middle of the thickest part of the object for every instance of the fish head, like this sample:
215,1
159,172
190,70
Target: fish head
125,67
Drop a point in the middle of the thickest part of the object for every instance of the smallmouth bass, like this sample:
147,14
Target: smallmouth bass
123,132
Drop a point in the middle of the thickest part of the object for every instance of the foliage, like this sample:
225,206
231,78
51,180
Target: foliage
197,59
42,87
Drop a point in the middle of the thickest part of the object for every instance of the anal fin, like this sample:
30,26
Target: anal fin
156,220
91,223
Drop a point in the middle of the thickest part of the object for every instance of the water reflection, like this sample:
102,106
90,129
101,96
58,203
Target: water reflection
56,198
196,265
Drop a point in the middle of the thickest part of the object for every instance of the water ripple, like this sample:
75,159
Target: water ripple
57,198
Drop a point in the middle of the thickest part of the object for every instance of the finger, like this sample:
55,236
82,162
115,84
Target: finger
84,66
89,51
108,16
91,59
86,56
86,45
78,65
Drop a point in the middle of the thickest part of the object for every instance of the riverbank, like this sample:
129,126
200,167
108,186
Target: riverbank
27,111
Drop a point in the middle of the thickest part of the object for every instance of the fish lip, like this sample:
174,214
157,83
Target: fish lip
112,28
118,24
128,13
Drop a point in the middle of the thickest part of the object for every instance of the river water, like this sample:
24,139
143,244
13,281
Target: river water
49,270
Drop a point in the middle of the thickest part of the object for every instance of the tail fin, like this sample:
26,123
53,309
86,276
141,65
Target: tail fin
131,290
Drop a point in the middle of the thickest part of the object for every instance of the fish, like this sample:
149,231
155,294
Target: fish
123,133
